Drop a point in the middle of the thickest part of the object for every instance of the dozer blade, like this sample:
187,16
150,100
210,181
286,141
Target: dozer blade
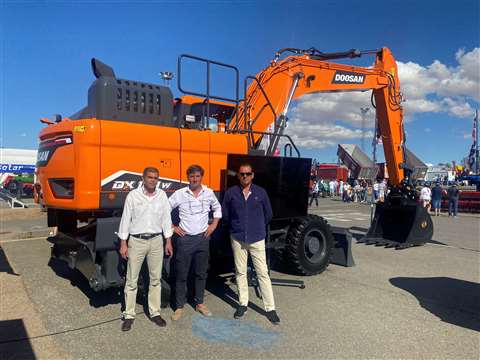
400,224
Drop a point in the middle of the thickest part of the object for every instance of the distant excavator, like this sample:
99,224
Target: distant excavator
88,163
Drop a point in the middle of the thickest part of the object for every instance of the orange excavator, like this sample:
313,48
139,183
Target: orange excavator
88,162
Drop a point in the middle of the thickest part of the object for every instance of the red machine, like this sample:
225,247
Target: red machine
331,172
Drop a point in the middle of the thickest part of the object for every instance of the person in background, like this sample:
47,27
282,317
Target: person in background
426,197
314,193
376,191
335,187
364,186
345,192
326,189
382,190
453,195
355,191
340,189
437,193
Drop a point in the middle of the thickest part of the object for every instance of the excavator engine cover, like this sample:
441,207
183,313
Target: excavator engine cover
399,222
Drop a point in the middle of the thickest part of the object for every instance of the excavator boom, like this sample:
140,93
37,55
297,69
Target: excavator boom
271,92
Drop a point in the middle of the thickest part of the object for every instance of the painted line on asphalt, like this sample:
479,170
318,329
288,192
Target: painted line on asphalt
6,241
452,247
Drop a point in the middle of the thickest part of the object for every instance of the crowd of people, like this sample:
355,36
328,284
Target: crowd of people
357,190
431,198
360,190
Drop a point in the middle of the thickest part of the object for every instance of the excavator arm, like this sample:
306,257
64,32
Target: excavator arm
270,93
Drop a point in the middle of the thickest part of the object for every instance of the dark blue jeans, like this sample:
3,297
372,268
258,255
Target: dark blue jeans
452,207
191,252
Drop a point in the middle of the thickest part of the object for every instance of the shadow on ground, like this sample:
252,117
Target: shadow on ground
452,300
220,287
110,296
5,266
14,342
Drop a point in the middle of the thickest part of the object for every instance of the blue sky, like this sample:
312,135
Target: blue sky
46,49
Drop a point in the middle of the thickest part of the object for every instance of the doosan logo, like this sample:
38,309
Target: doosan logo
42,155
344,77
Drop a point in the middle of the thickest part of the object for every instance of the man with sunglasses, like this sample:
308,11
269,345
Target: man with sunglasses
145,223
194,202
247,209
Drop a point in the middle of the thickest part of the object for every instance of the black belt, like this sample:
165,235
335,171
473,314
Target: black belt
145,236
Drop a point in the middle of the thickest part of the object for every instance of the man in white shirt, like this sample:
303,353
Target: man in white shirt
145,222
192,245
426,196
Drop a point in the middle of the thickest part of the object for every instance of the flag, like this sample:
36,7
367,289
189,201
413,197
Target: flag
471,155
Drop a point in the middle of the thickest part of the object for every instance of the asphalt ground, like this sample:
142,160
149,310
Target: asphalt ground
422,302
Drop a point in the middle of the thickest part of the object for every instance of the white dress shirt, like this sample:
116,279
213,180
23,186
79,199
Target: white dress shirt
194,210
143,214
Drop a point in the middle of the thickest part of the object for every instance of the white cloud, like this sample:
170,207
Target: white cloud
23,134
322,120
427,130
458,108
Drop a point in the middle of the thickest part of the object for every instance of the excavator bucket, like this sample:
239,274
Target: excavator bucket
399,223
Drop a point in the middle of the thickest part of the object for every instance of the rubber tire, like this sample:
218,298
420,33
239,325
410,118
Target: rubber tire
295,253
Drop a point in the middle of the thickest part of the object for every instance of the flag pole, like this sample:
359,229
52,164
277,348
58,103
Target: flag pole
476,142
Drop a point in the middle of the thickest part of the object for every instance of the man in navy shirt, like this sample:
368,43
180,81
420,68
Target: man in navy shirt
247,209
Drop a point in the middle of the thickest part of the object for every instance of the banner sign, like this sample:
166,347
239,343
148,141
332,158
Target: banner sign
17,168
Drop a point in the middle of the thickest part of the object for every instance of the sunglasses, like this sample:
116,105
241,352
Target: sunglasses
245,174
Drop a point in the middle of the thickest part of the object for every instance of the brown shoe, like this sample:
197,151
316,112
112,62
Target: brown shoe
159,321
202,309
177,314
127,324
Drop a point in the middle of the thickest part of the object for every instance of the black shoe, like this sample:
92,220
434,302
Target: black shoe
273,317
159,321
241,310
127,324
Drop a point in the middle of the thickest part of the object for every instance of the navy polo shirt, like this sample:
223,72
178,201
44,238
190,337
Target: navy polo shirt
248,219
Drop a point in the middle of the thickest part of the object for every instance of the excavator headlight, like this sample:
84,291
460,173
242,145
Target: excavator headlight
62,188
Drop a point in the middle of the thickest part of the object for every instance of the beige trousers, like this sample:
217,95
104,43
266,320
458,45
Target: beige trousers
259,259
138,249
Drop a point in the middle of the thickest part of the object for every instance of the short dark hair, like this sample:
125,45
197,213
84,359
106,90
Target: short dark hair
245,164
150,169
194,169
